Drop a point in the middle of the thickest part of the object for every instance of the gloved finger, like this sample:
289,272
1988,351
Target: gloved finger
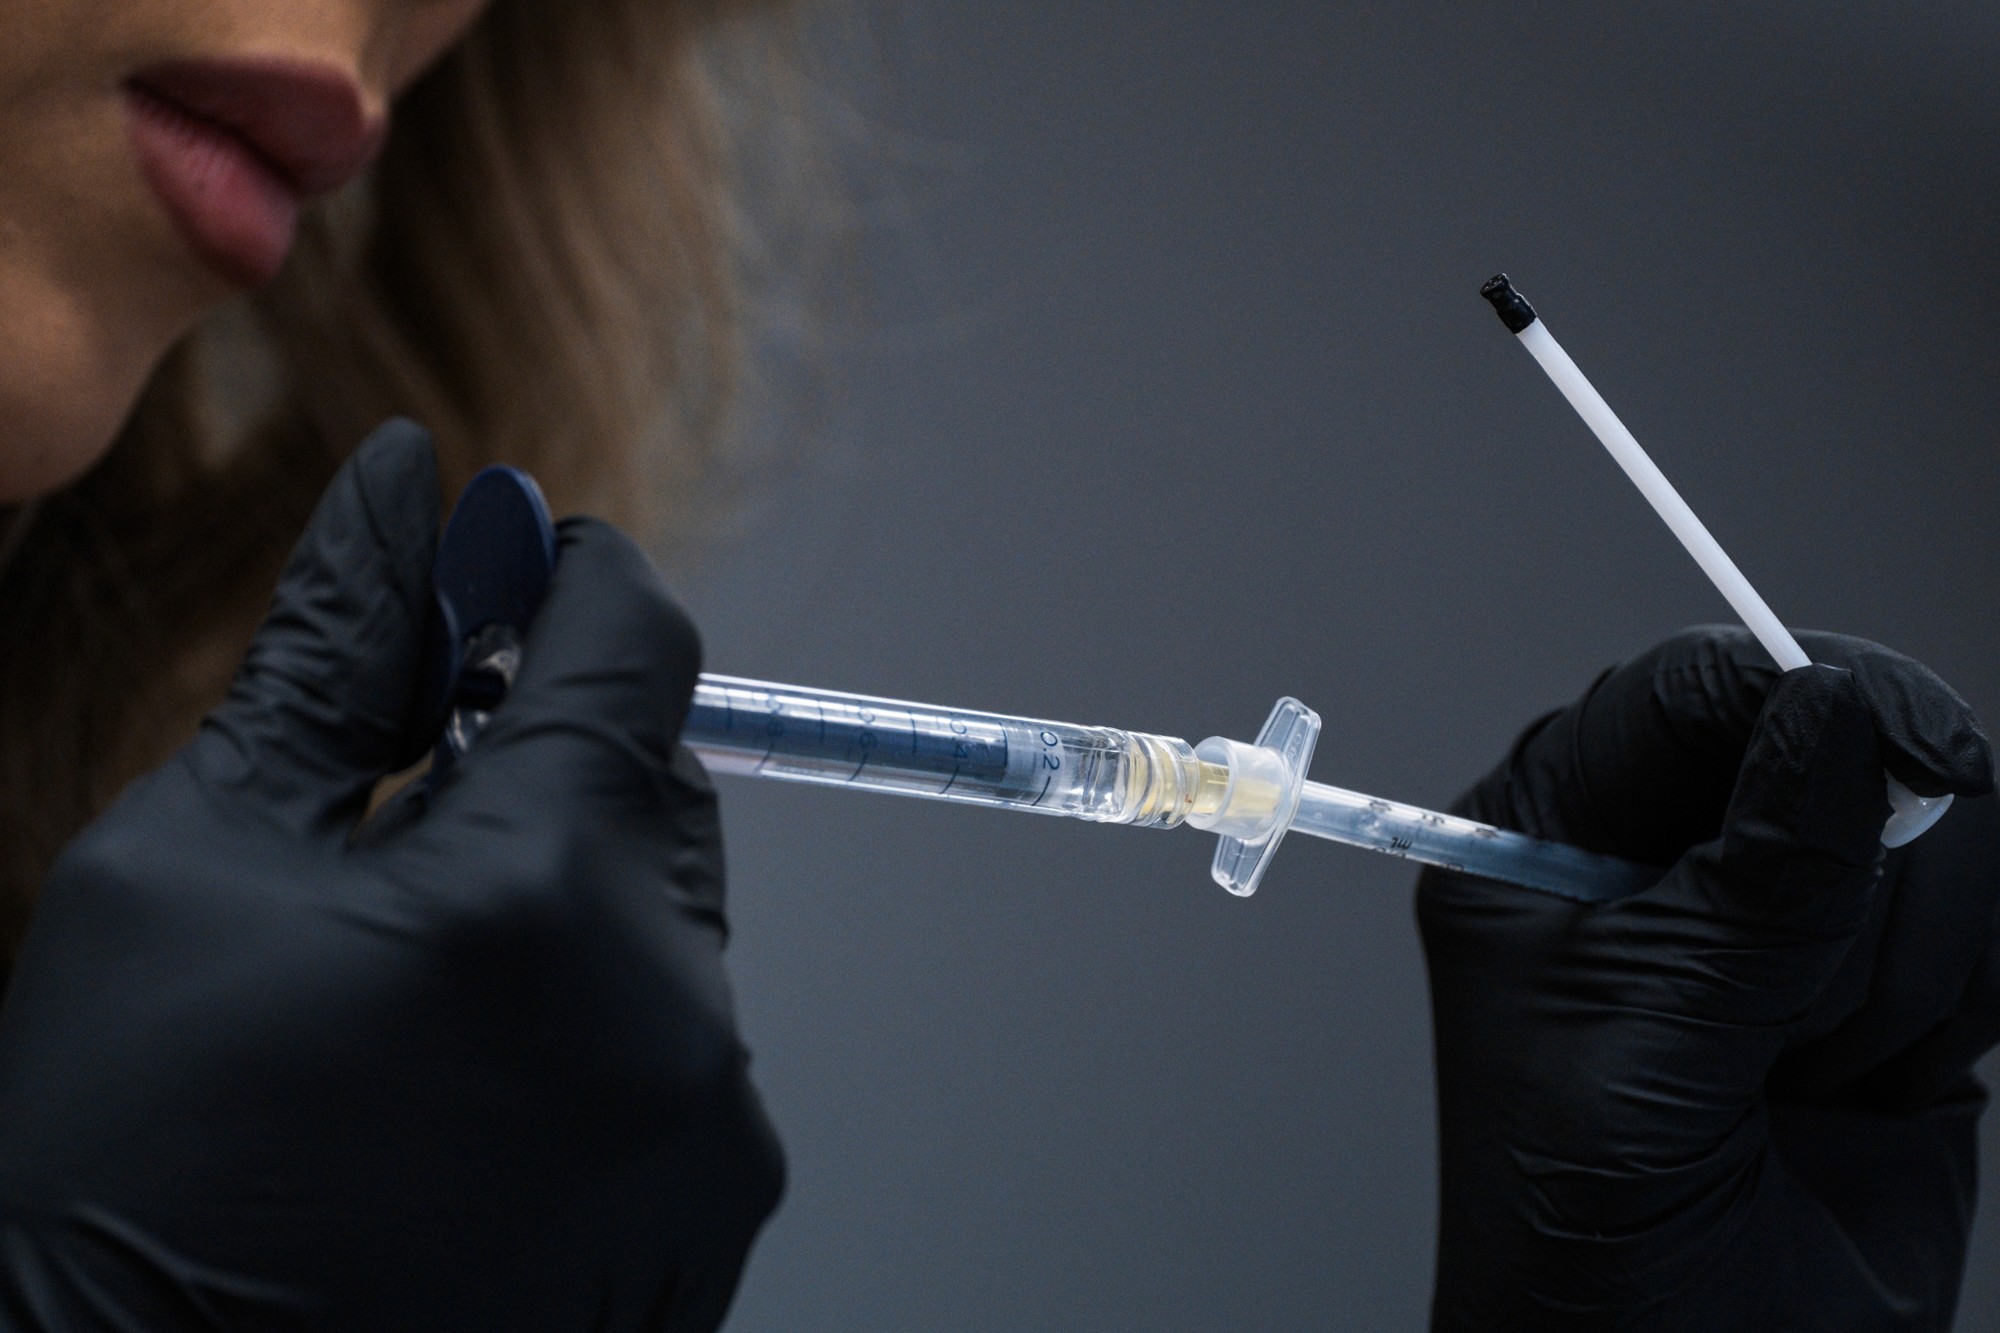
318,712
1931,740
1747,929
1644,764
1799,840
607,674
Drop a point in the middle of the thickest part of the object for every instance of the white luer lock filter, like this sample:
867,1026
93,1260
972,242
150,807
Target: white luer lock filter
1913,814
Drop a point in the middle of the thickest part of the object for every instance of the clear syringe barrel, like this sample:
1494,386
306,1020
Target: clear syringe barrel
852,740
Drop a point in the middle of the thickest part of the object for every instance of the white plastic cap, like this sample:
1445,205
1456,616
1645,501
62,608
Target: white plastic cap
1914,814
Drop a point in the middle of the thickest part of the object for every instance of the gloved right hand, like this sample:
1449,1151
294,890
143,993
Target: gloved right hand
479,1073
1740,1099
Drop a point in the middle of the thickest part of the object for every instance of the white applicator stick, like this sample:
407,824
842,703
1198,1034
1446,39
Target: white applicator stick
1913,813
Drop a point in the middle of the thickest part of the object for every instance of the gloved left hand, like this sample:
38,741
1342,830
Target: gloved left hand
479,1073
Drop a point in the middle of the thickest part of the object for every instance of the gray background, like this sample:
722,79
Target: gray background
1177,397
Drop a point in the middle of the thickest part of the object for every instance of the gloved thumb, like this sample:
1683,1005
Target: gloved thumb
319,710
607,673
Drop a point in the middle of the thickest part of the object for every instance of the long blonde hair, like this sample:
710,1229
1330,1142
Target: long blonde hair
543,268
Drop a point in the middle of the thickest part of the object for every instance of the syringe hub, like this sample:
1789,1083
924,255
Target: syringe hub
1262,793
1253,782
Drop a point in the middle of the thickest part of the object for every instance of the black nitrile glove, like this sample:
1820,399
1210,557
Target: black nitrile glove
478,1073
1741,1099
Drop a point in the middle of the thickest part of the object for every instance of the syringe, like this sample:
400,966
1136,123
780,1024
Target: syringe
1250,795
493,566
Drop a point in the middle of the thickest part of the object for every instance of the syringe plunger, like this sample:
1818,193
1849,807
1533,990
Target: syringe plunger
1911,814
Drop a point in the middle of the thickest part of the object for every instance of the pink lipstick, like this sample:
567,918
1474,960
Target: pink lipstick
232,148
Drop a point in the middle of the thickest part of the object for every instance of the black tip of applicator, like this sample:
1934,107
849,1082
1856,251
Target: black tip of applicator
1515,312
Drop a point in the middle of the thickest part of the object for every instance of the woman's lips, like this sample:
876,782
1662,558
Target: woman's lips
233,209
232,148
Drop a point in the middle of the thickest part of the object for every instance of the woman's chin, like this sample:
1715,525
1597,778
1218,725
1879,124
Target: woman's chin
42,452
69,382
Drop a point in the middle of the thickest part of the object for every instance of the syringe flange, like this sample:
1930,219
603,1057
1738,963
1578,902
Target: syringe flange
1290,732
